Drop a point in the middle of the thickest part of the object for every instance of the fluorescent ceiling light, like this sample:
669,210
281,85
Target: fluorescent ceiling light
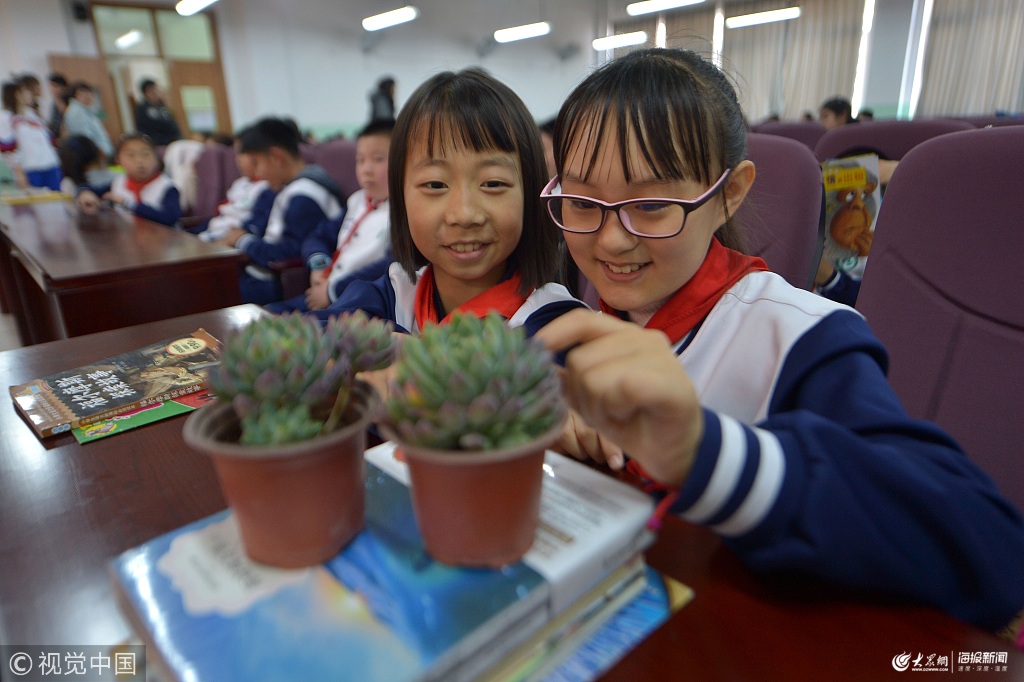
647,6
187,8
762,17
507,35
128,39
620,40
392,18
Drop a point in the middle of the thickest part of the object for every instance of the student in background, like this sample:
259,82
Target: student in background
82,164
468,231
32,157
753,407
835,112
306,196
335,254
247,205
59,102
143,190
79,118
382,100
153,118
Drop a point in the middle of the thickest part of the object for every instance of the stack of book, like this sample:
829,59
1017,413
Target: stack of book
383,609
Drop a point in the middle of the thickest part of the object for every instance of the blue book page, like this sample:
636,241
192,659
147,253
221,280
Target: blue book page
382,609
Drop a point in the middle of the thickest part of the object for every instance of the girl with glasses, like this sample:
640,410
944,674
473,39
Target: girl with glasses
755,408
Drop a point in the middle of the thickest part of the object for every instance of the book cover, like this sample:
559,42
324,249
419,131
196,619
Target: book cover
133,419
380,610
852,197
167,370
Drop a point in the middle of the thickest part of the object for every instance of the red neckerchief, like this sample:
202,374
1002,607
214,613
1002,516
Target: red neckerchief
721,269
503,298
371,206
136,187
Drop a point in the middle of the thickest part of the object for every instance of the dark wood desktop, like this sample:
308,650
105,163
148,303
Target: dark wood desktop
65,275
67,509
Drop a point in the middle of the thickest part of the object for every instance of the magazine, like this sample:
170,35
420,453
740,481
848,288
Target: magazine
145,377
852,198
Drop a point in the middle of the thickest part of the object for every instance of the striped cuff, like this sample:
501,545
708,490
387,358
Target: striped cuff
736,478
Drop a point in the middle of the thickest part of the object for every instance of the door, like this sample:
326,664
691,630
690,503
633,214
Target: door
197,91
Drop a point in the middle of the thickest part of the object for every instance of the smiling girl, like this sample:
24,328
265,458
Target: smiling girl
468,229
760,410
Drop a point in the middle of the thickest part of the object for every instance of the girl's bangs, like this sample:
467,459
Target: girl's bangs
449,128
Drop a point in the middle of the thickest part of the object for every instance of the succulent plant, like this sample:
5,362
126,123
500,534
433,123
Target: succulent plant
289,379
473,384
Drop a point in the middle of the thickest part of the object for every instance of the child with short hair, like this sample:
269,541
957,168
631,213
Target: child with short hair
247,203
359,244
306,196
143,190
468,231
83,164
759,409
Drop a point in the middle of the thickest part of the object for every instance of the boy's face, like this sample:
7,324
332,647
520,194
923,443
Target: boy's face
633,273
372,165
272,166
246,164
138,159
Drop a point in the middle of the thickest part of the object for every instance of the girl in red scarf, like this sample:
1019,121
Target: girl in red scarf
757,409
143,190
467,227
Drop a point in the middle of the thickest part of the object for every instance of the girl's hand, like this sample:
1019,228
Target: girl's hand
317,276
581,441
628,384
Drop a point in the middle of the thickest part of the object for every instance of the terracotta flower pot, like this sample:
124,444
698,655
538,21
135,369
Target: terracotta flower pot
297,504
478,508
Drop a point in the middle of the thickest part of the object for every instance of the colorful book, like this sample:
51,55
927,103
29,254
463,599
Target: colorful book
852,197
382,609
160,372
154,412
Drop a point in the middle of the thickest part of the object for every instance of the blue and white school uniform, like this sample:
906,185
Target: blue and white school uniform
809,464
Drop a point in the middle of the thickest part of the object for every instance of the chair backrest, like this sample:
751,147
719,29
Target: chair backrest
338,158
888,139
991,120
783,216
210,185
806,132
943,292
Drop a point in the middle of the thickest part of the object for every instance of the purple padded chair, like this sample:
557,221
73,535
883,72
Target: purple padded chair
210,185
889,139
991,120
943,291
806,132
783,216
338,158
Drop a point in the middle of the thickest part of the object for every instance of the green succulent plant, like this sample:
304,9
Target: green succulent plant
289,379
473,384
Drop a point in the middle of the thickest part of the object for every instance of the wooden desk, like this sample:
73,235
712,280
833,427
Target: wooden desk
66,510
63,275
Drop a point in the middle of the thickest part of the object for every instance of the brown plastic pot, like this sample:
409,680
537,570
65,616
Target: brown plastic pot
296,504
478,508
